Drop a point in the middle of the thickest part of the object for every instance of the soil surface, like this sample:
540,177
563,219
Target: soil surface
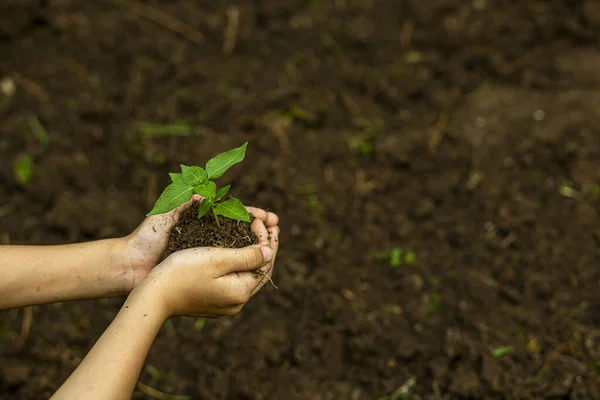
465,132
191,231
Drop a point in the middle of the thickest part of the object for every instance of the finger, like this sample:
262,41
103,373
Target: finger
274,245
259,229
246,259
272,219
258,213
268,269
269,218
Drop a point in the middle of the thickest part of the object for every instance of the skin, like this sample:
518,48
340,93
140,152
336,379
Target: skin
200,282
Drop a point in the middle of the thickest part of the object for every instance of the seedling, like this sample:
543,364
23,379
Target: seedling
23,169
194,179
396,257
502,351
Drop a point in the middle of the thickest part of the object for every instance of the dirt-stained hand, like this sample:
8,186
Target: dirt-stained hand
141,250
212,282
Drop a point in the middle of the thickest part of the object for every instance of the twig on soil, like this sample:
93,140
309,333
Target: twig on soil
26,324
75,67
231,30
437,133
167,21
364,186
31,87
406,34
156,394
349,102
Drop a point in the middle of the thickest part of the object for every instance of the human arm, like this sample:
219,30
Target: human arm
206,282
104,268
44,274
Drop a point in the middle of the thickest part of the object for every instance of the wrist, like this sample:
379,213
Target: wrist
149,292
122,271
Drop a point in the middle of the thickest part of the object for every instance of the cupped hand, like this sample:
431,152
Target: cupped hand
142,249
212,282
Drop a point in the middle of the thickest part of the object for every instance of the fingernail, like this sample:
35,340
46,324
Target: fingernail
267,254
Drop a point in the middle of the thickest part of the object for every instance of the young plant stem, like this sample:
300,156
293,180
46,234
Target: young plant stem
216,218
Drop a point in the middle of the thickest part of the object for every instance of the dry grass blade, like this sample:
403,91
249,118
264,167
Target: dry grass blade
31,87
231,30
167,21
26,324
156,394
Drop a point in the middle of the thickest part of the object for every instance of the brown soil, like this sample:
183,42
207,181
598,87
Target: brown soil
191,231
463,131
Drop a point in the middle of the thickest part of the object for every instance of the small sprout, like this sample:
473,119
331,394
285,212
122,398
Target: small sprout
434,302
313,203
594,366
149,130
362,141
592,191
475,178
532,346
413,57
199,323
396,257
196,180
502,351
481,90
153,372
403,392
410,257
23,169
567,190
37,129
296,114
309,188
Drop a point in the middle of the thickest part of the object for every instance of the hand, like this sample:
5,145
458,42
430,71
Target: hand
142,249
212,282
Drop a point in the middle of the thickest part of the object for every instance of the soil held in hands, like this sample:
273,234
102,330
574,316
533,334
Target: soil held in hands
192,231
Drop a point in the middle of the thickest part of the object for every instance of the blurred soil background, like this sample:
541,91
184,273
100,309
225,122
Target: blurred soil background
435,164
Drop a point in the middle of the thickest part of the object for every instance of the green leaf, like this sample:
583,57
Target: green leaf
193,175
222,192
204,207
23,169
396,257
410,257
206,189
173,196
199,323
176,177
502,351
233,209
218,165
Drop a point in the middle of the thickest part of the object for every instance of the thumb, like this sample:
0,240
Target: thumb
245,259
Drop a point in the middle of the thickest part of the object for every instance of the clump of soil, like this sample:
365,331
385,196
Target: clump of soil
192,231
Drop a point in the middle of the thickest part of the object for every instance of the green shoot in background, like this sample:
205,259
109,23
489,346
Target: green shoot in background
194,179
